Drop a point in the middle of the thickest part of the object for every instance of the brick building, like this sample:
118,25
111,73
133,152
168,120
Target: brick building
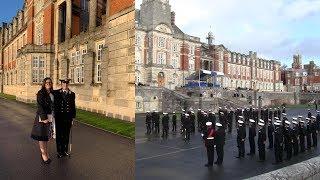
165,56
88,41
301,78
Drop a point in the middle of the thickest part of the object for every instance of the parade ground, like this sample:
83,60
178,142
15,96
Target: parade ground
173,158
96,154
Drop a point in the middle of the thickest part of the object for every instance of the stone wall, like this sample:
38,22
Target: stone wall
121,65
308,170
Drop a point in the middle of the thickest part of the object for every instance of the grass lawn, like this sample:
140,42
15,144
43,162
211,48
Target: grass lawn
113,125
7,96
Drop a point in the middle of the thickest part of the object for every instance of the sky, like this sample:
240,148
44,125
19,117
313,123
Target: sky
9,9
275,29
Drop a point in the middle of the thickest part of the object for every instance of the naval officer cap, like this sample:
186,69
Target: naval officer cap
277,124
294,122
260,120
66,80
241,117
278,121
301,121
299,116
294,118
165,113
313,117
284,114
208,123
307,118
287,122
251,120
261,124
240,122
218,124
276,118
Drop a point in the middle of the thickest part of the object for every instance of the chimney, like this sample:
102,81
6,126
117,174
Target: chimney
173,18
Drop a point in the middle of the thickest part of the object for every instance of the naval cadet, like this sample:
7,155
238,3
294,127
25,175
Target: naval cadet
165,125
262,141
252,135
301,135
309,113
314,131
219,142
270,133
241,136
193,122
208,137
308,133
174,122
295,136
157,122
288,139
65,112
278,143
148,122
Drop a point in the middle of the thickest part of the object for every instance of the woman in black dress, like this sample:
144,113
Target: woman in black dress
41,130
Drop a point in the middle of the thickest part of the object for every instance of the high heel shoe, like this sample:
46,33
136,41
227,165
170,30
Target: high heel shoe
48,161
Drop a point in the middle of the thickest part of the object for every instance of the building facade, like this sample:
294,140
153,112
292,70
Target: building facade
166,57
302,77
90,42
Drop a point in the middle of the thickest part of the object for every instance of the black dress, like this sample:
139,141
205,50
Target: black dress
41,131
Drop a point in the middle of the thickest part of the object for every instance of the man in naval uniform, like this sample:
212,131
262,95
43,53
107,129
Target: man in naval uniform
65,112
219,142
262,141
208,137
241,136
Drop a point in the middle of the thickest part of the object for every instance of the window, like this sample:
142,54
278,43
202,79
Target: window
84,52
138,40
175,61
38,69
161,58
77,66
175,47
161,42
99,73
192,49
99,52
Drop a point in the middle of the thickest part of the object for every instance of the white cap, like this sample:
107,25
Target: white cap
209,110
209,138
284,114
294,122
313,117
251,120
294,118
318,111
301,121
299,116
165,113
153,109
240,122
199,109
241,117
307,118
276,118
261,124
156,111
260,120
192,112
186,114
208,123
277,124
219,124
173,112
287,122
278,121
221,113
183,110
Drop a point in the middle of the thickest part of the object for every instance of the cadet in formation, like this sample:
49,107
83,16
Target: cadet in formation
241,136
262,141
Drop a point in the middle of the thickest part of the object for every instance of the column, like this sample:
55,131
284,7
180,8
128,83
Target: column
92,14
68,18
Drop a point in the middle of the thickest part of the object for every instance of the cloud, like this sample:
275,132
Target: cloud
275,29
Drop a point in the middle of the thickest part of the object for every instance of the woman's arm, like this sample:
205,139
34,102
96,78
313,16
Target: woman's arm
41,106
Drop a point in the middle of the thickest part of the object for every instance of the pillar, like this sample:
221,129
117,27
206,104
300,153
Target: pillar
68,18
92,14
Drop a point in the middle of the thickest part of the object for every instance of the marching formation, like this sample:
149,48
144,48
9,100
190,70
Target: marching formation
266,126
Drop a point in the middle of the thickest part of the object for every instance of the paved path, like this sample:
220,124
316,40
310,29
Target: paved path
96,154
159,159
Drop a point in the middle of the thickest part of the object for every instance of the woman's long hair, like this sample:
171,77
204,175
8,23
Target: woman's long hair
43,86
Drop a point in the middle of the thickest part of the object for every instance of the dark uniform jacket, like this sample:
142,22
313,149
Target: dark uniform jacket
64,104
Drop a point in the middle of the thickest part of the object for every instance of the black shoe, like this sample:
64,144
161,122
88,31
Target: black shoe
66,154
208,165
59,155
239,157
